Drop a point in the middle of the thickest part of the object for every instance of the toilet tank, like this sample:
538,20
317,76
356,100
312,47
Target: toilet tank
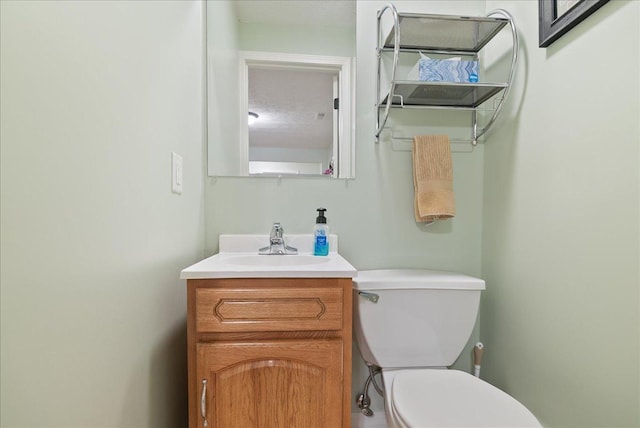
422,318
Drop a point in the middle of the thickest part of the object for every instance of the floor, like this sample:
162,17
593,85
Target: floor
358,420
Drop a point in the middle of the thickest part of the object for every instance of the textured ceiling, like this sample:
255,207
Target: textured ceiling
295,108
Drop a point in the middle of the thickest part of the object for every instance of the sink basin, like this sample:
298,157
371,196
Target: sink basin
275,260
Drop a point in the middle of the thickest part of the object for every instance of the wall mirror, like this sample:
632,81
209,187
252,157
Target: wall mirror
280,91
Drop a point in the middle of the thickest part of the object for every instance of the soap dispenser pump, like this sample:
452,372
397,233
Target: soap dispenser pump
321,234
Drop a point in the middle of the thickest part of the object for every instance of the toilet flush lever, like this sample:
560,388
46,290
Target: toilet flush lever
372,297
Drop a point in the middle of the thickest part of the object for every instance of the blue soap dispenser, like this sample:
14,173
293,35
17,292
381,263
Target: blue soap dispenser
321,235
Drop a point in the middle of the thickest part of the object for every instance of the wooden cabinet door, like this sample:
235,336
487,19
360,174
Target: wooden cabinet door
271,384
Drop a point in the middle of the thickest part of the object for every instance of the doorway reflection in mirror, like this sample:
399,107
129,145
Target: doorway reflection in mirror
297,131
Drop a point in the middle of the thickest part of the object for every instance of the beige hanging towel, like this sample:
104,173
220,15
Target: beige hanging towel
432,178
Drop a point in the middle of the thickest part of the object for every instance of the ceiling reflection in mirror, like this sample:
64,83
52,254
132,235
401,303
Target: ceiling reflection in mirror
298,94
293,134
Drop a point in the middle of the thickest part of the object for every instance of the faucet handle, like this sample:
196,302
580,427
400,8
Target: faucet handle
276,242
276,230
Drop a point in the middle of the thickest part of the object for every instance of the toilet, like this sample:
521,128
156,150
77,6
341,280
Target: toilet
413,324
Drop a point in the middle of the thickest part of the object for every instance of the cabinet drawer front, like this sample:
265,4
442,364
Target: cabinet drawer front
282,309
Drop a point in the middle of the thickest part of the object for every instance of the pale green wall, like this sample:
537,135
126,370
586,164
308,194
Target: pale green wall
373,214
305,39
223,87
95,97
561,215
92,313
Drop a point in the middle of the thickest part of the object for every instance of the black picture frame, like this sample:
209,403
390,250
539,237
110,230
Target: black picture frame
552,27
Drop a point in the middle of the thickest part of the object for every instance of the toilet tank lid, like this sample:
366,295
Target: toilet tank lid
397,279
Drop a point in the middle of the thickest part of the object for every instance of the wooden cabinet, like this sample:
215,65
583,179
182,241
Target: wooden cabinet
269,353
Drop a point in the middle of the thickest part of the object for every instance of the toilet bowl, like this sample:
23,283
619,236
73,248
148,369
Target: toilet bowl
420,398
413,324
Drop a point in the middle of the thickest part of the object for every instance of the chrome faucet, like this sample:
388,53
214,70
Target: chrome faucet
276,243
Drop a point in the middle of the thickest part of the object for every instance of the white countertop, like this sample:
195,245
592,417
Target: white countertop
238,258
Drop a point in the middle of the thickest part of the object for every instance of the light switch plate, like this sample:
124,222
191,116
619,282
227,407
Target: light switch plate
176,173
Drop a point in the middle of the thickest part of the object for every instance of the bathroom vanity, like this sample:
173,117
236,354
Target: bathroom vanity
269,338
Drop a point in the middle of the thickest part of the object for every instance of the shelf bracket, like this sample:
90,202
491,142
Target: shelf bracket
396,52
514,64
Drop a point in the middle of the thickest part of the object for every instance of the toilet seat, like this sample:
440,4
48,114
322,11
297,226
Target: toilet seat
424,398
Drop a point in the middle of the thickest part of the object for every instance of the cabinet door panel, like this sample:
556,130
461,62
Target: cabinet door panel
272,384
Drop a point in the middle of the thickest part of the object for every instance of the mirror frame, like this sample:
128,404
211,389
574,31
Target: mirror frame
346,119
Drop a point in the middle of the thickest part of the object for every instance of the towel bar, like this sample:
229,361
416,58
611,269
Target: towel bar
404,143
